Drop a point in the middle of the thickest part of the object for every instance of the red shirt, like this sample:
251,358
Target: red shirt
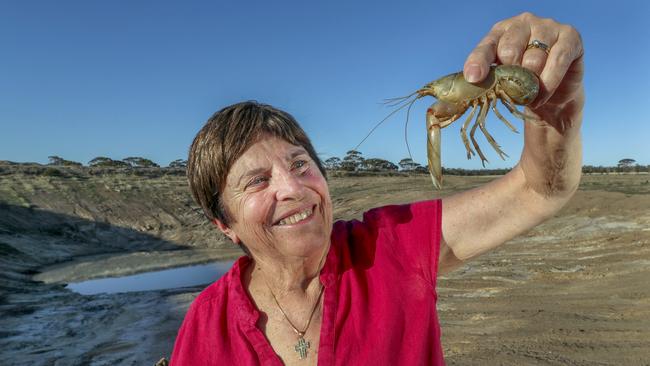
379,305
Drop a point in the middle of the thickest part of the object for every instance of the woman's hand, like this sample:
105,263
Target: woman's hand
561,96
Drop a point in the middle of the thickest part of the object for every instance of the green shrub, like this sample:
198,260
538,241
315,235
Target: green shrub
52,172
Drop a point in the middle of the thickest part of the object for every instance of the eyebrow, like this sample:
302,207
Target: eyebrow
296,152
299,150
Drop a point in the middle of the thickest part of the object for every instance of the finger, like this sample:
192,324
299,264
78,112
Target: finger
482,56
512,43
534,59
564,52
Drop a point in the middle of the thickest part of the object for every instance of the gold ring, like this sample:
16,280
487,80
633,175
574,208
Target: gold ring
539,44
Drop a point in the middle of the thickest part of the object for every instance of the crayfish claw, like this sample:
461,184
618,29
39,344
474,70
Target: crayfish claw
433,156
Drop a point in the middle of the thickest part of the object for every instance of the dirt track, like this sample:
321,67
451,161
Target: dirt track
573,291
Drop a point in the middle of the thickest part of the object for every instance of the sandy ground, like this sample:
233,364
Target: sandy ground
573,291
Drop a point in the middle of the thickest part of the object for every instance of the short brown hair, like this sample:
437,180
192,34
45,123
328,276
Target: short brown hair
224,138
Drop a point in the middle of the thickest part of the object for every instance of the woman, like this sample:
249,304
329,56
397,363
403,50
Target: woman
311,291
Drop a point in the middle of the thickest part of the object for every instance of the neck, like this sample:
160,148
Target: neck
289,275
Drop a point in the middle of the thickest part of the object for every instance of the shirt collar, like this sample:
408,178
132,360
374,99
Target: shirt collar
246,311
244,308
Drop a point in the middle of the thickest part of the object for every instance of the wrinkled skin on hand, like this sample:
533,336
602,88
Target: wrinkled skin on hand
561,96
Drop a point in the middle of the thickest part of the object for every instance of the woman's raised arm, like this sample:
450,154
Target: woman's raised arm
548,172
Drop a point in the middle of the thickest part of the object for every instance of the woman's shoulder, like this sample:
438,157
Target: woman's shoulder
398,236
391,215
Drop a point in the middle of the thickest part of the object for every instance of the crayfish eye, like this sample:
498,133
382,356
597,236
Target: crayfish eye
431,89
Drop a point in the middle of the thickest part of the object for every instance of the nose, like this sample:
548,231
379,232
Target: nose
288,186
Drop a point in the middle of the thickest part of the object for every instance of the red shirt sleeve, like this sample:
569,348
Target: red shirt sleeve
413,232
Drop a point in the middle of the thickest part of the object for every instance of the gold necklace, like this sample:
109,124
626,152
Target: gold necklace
302,345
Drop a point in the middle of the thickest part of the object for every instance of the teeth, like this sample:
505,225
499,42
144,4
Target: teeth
295,218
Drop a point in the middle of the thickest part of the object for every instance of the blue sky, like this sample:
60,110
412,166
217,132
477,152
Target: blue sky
81,79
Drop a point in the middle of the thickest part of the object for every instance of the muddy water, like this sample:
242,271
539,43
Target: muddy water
189,276
64,318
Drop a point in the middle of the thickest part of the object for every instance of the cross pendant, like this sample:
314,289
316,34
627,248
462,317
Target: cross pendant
301,347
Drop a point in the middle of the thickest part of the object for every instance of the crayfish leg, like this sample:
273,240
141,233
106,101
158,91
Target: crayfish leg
481,117
491,140
505,99
463,131
493,104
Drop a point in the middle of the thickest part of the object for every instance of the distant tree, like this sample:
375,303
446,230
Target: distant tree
102,161
332,163
352,161
52,172
588,169
626,163
378,165
56,160
138,162
178,163
407,164
421,169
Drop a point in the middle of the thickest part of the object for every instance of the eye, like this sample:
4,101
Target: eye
256,181
300,165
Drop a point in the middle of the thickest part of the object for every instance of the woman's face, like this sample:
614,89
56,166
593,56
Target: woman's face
278,201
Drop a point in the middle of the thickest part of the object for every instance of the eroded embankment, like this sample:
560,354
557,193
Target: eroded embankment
80,226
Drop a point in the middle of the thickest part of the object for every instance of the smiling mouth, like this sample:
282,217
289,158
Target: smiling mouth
296,218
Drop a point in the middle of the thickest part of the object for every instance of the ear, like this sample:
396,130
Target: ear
226,230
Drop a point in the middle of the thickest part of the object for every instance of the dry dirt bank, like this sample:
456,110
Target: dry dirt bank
573,291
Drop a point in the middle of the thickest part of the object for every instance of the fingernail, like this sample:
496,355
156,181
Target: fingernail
473,73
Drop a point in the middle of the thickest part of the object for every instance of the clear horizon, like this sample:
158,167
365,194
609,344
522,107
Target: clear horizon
119,79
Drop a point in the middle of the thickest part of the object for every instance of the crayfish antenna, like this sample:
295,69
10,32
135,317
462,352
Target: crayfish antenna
406,138
393,102
405,102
